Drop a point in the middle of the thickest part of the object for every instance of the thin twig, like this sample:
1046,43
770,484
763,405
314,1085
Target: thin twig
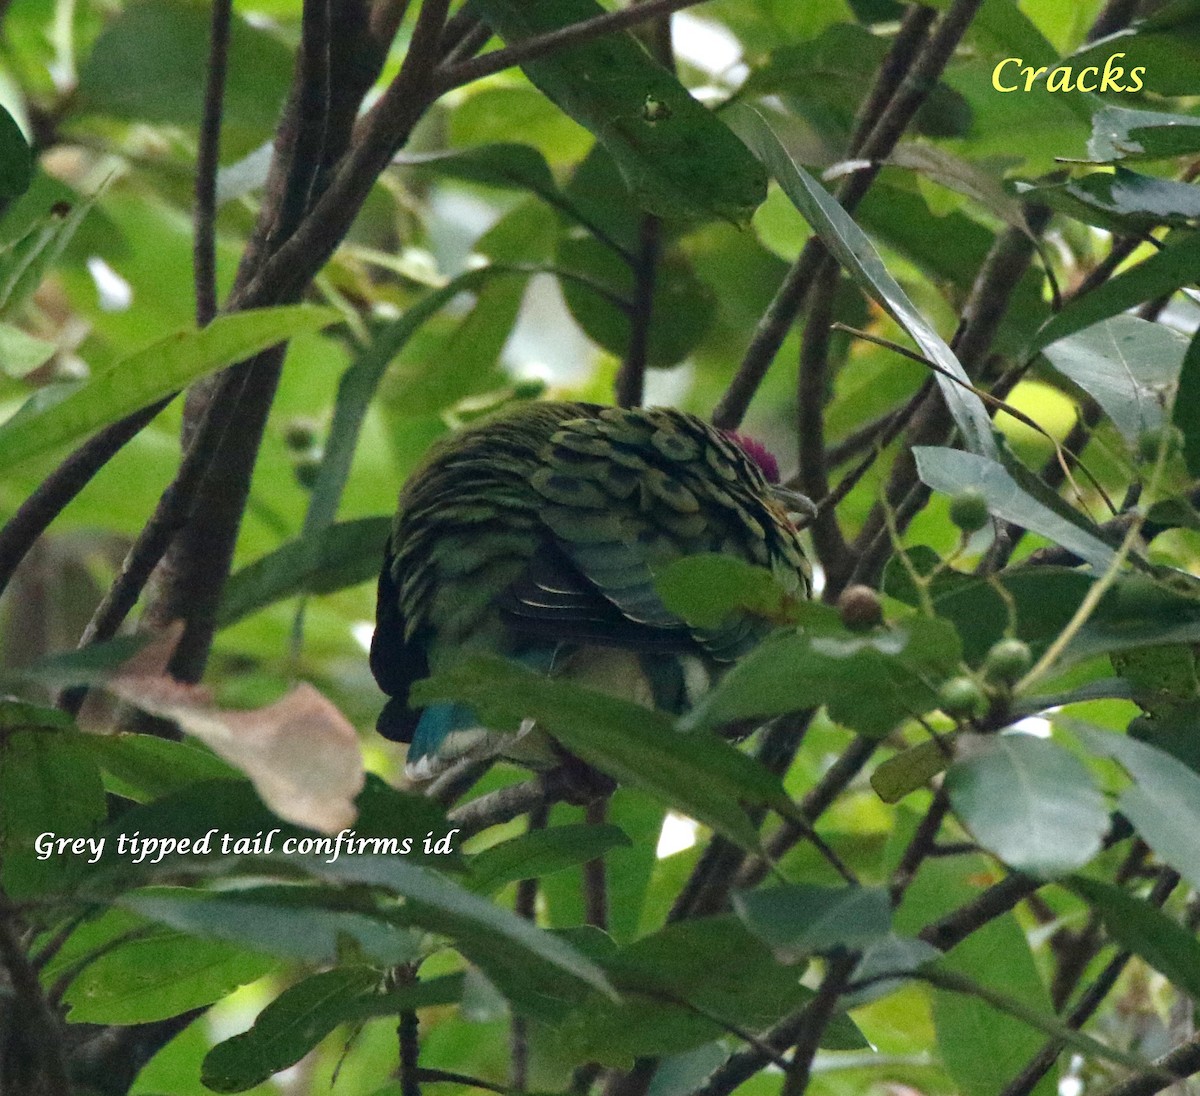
204,256
530,49
800,1029
818,799
1181,1062
820,1011
921,846
931,424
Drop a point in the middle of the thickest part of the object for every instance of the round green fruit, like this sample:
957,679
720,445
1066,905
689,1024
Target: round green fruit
962,698
968,510
1007,661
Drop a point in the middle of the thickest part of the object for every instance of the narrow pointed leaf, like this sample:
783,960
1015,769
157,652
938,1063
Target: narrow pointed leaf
857,255
165,367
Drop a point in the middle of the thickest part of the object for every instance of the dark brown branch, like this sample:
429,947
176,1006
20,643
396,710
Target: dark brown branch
41,1065
195,569
1181,1062
632,375
531,49
986,906
812,387
921,846
819,1012
408,1031
595,873
525,906
174,509
204,257
56,491
818,800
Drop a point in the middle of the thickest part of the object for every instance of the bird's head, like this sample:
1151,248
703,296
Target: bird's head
794,502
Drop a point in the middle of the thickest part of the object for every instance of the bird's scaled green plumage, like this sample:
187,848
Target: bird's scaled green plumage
537,535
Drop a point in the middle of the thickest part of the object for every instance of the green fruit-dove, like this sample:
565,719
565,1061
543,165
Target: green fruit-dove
537,535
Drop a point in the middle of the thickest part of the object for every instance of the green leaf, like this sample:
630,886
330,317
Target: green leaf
300,1017
1163,802
287,1029
1028,801
951,471
699,774
1186,413
850,246
869,682
1129,366
307,923
142,767
1122,201
475,924
148,65
797,921
706,589
981,1046
1163,943
542,852
20,353
677,158
48,785
28,259
329,559
159,975
151,374
1162,273
1119,133
16,160
911,769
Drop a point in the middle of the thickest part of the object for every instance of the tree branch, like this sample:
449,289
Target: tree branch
204,256
42,1071
812,388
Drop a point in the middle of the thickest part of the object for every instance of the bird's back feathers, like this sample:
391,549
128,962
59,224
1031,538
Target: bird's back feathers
542,531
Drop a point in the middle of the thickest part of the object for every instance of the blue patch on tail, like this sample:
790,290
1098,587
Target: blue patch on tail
436,724
439,721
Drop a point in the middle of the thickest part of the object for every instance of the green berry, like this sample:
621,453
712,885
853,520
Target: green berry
860,608
1007,661
300,435
962,698
307,468
968,510
1167,439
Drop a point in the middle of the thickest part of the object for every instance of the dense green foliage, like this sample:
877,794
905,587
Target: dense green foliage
938,828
